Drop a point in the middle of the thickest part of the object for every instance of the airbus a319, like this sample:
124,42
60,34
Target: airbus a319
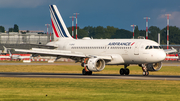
94,54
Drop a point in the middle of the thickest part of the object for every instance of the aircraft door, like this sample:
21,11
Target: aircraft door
136,49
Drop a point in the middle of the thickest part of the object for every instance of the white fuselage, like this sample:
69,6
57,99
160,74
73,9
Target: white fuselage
126,51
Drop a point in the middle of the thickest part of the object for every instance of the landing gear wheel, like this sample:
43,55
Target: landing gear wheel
145,73
122,71
126,71
89,73
84,72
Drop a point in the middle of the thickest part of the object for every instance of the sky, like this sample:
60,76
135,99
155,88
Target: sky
34,14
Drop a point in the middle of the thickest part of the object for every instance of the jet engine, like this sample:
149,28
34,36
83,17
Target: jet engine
154,66
95,64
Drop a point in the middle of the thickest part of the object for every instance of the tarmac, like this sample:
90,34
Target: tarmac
93,76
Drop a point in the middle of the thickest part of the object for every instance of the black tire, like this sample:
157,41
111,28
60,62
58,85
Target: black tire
126,71
89,73
84,72
122,71
145,73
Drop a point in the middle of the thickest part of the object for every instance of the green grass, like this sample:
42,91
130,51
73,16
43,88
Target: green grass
54,68
59,89
87,89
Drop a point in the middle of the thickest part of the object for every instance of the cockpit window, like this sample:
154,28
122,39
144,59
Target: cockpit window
147,47
160,47
150,47
155,47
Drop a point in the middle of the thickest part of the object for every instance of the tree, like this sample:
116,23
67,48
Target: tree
90,30
2,29
153,33
11,30
174,35
122,33
142,33
16,28
82,33
99,33
110,31
136,32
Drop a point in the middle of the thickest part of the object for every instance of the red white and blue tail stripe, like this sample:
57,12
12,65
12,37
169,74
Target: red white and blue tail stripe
58,25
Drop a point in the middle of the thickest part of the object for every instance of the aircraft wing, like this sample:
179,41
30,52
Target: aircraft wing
44,46
51,52
63,53
172,50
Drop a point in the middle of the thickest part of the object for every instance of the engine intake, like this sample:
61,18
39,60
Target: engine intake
95,64
154,66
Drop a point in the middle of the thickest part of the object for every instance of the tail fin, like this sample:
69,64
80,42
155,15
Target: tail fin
5,49
9,53
58,25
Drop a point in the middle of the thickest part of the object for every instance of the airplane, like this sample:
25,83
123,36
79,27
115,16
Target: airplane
16,57
94,54
12,56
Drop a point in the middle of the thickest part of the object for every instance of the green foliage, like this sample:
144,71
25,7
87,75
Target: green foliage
153,33
122,33
16,28
99,32
110,32
81,33
11,30
136,32
2,29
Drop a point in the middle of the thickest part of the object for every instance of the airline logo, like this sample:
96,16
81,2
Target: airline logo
56,23
121,43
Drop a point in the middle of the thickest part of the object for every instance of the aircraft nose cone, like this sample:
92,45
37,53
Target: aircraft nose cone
161,55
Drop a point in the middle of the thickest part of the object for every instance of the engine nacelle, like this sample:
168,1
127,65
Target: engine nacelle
154,66
95,64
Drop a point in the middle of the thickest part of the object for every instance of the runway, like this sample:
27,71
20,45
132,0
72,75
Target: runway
94,76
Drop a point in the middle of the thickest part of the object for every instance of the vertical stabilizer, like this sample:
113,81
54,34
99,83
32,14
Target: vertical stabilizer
10,53
5,50
59,28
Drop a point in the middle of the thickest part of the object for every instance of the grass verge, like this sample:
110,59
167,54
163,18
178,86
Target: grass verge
20,89
53,68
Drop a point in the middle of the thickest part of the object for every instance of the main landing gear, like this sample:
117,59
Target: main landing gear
85,72
124,71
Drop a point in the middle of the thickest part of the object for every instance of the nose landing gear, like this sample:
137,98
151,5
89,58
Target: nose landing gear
145,71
